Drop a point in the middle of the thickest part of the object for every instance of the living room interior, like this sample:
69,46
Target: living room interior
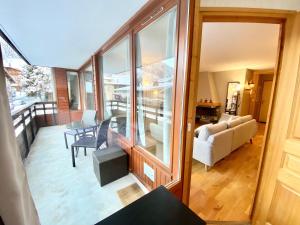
234,93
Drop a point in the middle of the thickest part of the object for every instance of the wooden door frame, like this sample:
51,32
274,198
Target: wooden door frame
226,15
261,97
253,110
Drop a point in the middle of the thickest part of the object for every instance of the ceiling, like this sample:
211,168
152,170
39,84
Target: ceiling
231,46
66,33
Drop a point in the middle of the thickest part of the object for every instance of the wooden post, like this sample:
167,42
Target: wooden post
24,133
31,125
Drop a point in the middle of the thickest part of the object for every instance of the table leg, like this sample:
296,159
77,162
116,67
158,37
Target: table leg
73,156
84,151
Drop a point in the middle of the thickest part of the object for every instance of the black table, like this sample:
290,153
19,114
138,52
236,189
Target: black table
159,207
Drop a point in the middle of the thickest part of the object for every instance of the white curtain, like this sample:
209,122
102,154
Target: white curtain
16,204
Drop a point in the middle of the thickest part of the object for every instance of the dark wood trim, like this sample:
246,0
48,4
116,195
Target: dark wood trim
86,64
184,50
193,52
98,99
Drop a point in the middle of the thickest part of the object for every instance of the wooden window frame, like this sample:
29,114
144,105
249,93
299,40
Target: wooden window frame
81,71
80,100
185,10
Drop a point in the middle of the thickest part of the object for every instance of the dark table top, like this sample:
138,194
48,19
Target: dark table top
159,207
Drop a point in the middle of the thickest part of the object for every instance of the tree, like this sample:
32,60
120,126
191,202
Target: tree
36,81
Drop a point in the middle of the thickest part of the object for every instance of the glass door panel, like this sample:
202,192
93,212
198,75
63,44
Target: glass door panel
89,97
155,72
116,86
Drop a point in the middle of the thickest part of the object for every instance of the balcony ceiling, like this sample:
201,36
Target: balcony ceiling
232,46
66,33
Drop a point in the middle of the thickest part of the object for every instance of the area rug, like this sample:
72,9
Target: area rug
130,193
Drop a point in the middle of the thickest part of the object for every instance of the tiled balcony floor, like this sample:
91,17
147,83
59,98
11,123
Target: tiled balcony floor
64,195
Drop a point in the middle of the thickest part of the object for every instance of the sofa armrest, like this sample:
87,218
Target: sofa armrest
221,144
202,151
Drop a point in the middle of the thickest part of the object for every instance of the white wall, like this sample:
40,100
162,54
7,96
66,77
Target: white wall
221,80
263,4
207,87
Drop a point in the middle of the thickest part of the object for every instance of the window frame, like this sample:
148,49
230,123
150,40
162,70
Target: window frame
82,74
127,141
79,97
166,9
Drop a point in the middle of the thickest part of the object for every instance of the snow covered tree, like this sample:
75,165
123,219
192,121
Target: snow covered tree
36,81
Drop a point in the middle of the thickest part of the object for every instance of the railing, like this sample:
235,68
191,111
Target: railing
29,119
150,111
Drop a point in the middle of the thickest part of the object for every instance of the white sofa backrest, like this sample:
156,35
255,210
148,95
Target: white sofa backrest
243,133
205,131
234,123
245,119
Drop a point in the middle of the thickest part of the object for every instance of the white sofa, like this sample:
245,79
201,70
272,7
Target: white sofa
213,142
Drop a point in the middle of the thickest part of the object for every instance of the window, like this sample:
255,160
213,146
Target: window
88,87
25,83
155,70
73,90
116,86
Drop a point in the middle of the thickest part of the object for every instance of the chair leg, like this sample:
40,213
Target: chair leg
73,157
77,150
85,151
66,140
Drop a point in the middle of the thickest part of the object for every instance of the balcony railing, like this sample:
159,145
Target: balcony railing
29,119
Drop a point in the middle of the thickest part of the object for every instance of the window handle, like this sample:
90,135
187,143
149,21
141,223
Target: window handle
153,16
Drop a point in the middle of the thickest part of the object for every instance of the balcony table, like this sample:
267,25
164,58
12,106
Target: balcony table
159,207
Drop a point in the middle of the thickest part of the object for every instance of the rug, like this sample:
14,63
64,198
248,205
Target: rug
130,193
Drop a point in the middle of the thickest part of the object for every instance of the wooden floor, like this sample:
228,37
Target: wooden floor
226,191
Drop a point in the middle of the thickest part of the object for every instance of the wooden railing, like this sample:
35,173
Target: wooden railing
29,119
150,111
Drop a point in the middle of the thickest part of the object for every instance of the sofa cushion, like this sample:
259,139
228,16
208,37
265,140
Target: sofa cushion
234,123
245,119
224,117
210,129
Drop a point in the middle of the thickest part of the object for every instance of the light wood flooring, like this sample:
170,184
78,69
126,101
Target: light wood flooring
226,191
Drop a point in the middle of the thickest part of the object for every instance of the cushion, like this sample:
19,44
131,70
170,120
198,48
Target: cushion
225,117
210,129
234,123
246,118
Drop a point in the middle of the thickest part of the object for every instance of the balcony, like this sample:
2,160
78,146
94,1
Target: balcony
54,183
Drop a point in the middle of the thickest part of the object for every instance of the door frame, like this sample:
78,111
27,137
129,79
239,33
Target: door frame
261,97
242,15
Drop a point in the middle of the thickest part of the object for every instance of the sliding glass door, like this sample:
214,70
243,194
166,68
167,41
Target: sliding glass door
88,86
155,72
116,85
